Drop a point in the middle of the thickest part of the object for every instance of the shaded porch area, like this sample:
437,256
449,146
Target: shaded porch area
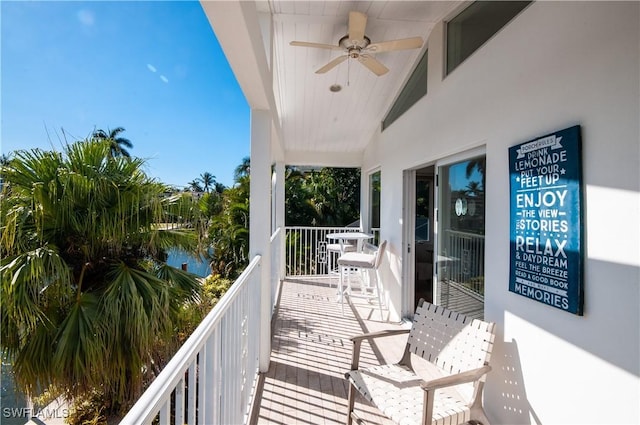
311,351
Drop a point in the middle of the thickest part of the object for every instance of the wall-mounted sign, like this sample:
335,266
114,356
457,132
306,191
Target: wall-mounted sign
546,220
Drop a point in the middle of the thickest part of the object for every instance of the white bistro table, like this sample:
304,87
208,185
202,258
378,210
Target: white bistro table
342,237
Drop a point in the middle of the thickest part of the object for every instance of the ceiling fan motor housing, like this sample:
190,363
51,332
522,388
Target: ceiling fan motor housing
354,47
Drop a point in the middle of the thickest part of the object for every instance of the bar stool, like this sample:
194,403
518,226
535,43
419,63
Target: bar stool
336,249
360,260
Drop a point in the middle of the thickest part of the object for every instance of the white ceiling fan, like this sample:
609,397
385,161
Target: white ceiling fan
357,45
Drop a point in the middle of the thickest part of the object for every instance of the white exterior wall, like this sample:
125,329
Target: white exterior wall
556,65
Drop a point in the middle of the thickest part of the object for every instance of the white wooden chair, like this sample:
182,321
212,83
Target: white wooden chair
362,261
448,388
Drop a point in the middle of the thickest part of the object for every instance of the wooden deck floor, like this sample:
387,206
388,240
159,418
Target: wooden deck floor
311,352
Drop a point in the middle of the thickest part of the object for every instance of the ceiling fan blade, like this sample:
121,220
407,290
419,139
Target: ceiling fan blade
402,44
332,64
357,23
373,64
317,45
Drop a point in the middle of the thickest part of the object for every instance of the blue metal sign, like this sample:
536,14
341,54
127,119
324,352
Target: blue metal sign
546,220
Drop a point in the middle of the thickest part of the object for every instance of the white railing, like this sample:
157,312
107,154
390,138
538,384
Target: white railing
213,376
306,249
467,269
375,231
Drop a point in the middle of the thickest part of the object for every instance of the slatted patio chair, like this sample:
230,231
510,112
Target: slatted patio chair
448,388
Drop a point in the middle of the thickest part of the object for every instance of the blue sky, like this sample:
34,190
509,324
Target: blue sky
154,68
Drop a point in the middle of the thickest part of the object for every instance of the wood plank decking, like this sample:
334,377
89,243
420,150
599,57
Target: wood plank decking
311,352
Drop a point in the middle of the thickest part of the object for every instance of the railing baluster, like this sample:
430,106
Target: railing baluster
165,412
213,375
239,360
179,403
202,373
191,400
303,249
294,255
225,364
244,344
298,238
237,364
230,364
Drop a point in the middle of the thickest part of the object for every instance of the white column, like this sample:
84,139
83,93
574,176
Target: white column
260,221
280,214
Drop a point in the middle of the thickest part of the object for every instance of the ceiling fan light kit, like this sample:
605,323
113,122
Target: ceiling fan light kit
356,45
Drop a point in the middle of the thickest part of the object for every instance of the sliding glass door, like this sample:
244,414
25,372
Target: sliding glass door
461,223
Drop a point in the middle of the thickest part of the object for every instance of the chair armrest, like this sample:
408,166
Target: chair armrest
357,342
456,379
379,334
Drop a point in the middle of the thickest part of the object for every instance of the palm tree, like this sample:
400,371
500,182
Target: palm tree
229,235
243,169
229,229
115,141
219,188
208,180
194,186
85,295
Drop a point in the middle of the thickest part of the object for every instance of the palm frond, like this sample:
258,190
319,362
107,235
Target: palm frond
135,307
79,347
33,364
184,285
25,279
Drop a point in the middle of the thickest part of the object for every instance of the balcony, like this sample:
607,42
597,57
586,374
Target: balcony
214,379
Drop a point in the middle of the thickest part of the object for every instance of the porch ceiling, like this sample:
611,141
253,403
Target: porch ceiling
315,124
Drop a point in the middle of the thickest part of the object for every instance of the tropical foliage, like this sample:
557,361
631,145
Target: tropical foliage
300,209
213,288
324,197
87,302
229,230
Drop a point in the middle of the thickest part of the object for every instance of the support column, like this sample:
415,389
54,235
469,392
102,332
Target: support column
260,222
280,215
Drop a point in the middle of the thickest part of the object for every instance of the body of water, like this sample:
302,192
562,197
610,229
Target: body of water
13,403
199,266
